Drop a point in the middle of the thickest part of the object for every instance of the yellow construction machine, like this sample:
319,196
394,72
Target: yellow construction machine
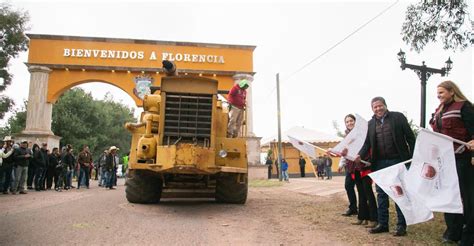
179,148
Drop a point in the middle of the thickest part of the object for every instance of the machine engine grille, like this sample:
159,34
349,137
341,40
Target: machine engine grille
188,118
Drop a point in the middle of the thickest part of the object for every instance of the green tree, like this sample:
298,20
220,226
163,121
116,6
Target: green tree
429,20
414,127
80,120
13,24
16,123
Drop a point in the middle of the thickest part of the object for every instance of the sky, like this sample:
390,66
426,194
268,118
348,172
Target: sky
325,72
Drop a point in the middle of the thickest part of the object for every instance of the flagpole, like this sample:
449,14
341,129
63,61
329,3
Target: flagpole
279,125
445,136
405,162
310,163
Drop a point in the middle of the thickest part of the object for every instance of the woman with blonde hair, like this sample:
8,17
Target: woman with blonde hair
455,117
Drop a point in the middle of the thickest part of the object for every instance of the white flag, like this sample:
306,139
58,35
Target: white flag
392,181
303,146
354,140
432,175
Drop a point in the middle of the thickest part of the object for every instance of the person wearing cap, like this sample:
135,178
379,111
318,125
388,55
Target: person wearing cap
6,164
236,99
22,158
110,165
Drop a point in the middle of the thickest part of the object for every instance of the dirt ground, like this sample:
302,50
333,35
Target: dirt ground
272,216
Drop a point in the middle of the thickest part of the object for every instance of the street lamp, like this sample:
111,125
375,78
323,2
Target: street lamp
424,74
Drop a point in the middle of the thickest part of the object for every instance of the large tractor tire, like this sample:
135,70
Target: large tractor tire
143,186
229,189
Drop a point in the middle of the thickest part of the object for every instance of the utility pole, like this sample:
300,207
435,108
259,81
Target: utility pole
279,126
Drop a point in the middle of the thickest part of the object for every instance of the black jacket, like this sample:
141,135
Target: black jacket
40,158
19,157
110,162
54,162
67,161
302,162
9,161
404,138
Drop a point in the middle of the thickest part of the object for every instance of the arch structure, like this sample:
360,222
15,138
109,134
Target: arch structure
57,63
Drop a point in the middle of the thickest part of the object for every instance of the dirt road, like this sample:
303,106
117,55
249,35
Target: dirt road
302,212
97,216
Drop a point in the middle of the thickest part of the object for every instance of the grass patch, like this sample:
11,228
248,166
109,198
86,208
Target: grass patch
264,183
326,215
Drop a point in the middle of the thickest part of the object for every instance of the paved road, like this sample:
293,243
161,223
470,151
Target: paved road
104,217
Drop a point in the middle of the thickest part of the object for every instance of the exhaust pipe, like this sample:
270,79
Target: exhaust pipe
170,68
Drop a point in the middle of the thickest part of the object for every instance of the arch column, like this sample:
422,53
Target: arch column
39,111
253,142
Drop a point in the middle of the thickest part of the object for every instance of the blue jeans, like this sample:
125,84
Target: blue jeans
383,201
109,179
6,172
19,180
328,172
38,179
102,180
285,175
69,178
83,177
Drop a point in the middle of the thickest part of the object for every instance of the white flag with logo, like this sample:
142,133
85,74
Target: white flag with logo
392,181
432,175
303,146
354,141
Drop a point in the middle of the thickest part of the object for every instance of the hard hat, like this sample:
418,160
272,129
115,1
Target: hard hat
243,83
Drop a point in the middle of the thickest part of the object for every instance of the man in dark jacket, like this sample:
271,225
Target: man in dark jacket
67,162
40,158
269,164
22,158
55,164
85,161
302,163
328,166
101,167
110,167
391,141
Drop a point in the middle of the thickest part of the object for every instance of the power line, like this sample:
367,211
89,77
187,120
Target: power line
337,44
344,39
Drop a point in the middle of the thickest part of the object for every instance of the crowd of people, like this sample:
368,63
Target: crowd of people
27,166
322,165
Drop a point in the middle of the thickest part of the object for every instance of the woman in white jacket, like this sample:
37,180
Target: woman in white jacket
4,155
